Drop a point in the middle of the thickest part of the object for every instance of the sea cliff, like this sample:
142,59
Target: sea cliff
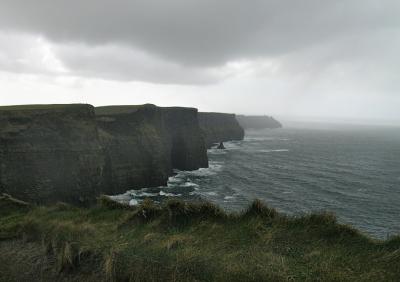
258,122
74,153
50,153
219,127
143,144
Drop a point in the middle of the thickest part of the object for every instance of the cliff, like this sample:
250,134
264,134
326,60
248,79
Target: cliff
258,122
188,150
73,153
145,143
50,153
219,127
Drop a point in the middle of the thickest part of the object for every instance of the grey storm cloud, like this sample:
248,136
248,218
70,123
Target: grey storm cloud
189,42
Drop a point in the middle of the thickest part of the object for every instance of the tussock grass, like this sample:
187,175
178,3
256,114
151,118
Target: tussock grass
180,241
106,202
9,204
258,208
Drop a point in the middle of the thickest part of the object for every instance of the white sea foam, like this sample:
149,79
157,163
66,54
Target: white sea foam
255,138
213,168
190,184
122,198
174,179
263,138
273,150
233,145
145,194
140,193
162,193
181,179
133,202
216,152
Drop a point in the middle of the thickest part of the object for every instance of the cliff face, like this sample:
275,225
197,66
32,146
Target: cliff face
73,153
50,153
135,150
187,145
145,143
219,127
258,122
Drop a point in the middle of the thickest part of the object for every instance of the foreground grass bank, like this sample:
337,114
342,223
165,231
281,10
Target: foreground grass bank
185,242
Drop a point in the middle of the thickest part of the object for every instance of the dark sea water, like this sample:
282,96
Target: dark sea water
353,172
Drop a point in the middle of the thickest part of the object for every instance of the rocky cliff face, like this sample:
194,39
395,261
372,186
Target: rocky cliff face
50,153
258,122
145,143
73,153
219,127
187,145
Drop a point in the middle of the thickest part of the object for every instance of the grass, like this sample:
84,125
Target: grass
180,241
121,109
42,107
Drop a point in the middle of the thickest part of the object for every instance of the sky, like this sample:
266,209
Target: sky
319,60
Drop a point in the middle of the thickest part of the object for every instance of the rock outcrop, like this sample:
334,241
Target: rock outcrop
50,153
145,143
219,127
258,122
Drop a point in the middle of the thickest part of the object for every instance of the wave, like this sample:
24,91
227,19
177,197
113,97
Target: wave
273,150
262,138
213,168
178,185
162,193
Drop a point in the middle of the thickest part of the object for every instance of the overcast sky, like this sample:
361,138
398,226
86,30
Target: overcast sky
309,59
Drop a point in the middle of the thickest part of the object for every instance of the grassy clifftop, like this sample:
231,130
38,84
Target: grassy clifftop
185,242
44,107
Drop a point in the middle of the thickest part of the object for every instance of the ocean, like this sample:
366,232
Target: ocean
351,171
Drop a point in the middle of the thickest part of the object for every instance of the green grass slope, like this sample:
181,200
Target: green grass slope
184,242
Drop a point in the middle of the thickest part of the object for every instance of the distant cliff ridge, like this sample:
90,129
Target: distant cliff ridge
219,127
73,153
258,122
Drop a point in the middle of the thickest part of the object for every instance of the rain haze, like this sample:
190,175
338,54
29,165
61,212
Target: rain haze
312,60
